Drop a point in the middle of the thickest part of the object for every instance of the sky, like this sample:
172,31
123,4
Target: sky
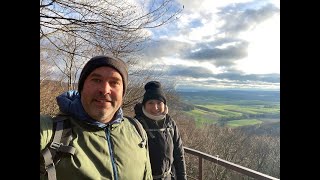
218,44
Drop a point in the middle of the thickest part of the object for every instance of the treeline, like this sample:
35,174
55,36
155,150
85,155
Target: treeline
248,148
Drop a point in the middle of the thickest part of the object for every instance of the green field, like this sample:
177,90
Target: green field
202,117
228,109
243,122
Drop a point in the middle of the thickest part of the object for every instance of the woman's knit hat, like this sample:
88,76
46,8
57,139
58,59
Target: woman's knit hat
99,61
153,91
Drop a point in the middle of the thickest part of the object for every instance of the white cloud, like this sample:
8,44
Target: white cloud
201,27
207,5
191,64
264,48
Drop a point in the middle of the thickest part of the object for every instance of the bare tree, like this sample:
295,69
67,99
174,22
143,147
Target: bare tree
102,26
46,69
137,79
68,63
139,75
119,20
120,43
257,152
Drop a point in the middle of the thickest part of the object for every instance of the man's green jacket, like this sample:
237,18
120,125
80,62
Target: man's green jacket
101,153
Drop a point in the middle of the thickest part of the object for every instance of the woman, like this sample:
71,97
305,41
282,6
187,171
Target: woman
165,144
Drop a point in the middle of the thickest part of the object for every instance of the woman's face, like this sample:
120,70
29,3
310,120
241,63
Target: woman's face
154,107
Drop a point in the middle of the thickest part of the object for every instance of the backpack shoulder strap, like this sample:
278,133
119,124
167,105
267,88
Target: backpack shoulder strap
62,136
170,125
139,128
146,127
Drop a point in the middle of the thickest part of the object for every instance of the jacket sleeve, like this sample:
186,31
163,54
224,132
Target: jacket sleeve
148,170
46,126
178,154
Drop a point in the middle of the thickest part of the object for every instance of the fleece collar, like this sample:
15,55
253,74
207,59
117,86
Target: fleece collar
156,118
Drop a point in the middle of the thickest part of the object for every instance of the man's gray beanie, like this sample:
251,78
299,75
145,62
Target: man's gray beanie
99,61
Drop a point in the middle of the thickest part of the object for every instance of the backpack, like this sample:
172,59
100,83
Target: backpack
59,144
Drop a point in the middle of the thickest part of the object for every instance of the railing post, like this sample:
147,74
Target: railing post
200,168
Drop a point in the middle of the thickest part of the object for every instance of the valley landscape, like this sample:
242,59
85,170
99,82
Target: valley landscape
233,108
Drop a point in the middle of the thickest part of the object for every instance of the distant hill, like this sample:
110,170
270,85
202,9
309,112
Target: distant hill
240,97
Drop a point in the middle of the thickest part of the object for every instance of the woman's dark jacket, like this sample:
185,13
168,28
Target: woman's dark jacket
165,147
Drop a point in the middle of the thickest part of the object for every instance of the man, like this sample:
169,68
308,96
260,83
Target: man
106,144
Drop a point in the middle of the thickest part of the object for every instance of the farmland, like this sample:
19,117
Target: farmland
233,108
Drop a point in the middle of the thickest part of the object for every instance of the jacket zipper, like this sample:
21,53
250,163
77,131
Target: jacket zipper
115,173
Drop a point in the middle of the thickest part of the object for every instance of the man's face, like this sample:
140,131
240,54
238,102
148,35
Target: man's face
102,92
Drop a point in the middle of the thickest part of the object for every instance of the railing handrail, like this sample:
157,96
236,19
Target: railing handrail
227,164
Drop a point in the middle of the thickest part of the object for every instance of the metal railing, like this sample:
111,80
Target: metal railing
226,164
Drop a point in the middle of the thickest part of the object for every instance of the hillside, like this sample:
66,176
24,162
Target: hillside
233,108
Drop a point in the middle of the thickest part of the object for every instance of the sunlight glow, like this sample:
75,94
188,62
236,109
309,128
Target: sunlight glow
264,48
